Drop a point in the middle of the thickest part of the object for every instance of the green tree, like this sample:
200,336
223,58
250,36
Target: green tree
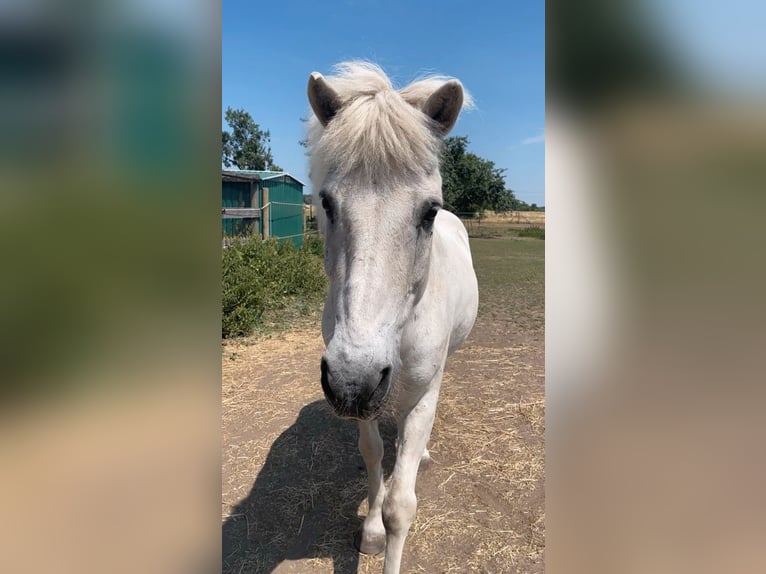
247,145
470,183
519,205
452,186
505,201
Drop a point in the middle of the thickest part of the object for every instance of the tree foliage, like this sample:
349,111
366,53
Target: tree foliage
246,146
471,184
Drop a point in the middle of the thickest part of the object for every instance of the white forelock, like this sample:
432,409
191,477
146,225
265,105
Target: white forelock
379,132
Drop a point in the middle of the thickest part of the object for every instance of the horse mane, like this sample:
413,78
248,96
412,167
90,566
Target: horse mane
379,132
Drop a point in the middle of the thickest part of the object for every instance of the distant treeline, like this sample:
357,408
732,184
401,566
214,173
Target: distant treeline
472,184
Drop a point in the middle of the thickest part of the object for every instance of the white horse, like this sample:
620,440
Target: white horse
403,293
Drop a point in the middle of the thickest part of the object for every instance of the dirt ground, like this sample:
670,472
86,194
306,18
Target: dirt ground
294,484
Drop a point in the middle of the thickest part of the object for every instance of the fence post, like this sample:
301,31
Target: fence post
266,214
252,202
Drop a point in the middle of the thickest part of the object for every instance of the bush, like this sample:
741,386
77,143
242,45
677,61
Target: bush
260,276
314,245
537,232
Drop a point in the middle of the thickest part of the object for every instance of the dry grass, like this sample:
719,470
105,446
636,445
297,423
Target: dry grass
294,485
536,218
480,502
490,443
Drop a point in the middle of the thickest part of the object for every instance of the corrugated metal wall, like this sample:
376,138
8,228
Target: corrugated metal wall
237,194
286,209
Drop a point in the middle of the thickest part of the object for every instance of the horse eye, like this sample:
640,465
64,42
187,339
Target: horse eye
430,215
327,206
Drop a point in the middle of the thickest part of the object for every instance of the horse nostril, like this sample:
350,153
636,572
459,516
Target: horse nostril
325,379
324,368
380,391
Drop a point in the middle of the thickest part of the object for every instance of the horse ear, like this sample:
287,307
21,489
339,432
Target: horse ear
323,99
443,106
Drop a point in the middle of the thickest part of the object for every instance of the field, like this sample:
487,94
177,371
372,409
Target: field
294,484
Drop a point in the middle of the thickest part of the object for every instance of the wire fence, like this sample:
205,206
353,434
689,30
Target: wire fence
268,216
469,219
249,226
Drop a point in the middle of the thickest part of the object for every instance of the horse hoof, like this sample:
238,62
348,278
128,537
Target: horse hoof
425,462
369,544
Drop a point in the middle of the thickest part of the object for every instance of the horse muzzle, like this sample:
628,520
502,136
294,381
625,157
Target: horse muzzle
354,392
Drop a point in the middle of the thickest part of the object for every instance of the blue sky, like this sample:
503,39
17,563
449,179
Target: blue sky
497,49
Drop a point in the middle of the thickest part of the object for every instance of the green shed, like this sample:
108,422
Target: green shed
269,203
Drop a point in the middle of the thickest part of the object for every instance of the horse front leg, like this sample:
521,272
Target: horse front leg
371,539
400,503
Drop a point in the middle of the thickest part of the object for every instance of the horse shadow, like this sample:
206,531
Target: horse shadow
304,502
